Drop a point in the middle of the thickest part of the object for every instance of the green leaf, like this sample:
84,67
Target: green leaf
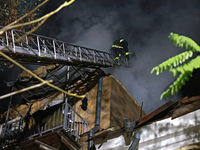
154,69
174,72
175,64
186,77
168,93
190,53
172,90
176,88
162,95
180,41
182,81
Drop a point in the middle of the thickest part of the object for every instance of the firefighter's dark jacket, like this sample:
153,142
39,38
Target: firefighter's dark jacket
121,44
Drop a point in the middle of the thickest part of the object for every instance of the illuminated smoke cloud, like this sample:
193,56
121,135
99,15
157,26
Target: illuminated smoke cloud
144,24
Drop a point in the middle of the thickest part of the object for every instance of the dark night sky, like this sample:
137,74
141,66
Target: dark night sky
145,24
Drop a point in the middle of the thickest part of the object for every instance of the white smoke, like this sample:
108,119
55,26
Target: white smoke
145,25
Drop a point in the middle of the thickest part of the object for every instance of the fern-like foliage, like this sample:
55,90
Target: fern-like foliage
177,65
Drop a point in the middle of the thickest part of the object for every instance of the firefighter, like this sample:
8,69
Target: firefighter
119,48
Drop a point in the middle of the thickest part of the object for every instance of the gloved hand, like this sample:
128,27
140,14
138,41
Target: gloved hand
117,58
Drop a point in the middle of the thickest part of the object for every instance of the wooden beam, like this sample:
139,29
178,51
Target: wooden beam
68,141
154,113
188,100
68,144
186,109
44,146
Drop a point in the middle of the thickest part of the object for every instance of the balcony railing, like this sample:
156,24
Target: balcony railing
64,117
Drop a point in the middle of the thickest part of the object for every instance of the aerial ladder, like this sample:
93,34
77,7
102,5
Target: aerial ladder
37,49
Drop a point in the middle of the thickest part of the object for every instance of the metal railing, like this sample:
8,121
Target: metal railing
12,129
64,117
68,120
42,46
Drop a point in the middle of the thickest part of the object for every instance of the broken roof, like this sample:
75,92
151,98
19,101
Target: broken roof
170,109
73,79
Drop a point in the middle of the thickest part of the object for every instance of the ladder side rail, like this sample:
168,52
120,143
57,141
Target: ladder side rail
63,49
6,36
4,39
106,57
63,45
80,54
59,46
49,45
100,57
50,48
26,40
106,60
42,45
19,36
32,34
22,41
75,52
29,43
111,59
32,41
92,54
96,56
13,40
67,49
85,47
38,43
38,46
86,54
54,49
9,38
89,51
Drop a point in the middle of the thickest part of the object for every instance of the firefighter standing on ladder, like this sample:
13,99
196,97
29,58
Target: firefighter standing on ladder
120,47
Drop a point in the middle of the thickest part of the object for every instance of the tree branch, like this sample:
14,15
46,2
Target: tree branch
45,17
25,89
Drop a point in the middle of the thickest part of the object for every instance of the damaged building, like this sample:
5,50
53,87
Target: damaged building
69,102
61,103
